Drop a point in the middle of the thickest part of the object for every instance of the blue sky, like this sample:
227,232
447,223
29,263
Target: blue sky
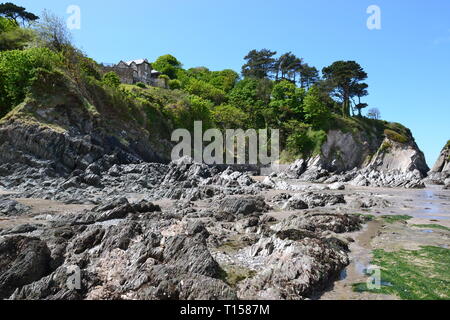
408,60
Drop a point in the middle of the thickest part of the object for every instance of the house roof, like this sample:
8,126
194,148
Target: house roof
138,62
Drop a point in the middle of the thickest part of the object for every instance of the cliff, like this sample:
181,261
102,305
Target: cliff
443,162
440,174
63,126
368,152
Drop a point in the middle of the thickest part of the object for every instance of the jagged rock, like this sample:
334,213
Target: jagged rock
243,206
87,240
190,255
12,207
197,228
366,203
318,222
337,186
121,208
442,165
291,270
312,200
295,203
22,261
21,229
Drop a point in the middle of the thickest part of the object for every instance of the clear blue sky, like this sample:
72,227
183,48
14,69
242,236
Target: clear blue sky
408,60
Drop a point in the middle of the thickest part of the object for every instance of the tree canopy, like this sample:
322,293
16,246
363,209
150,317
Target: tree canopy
16,13
168,65
345,79
259,64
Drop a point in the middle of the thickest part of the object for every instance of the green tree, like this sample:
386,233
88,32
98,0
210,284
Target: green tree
174,84
259,64
88,67
360,90
287,101
224,80
316,111
344,77
288,66
14,12
308,76
206,91
168,65
229,117
252,96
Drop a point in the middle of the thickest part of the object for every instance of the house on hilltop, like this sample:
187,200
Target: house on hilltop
134,71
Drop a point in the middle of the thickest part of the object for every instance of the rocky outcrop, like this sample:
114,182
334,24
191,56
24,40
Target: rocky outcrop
11,207
443,162
300,259
364,159
22,261
123,250
71,130
440,173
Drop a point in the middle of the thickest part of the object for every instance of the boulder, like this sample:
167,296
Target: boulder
22,261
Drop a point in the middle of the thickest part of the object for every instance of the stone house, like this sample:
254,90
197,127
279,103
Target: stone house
132,72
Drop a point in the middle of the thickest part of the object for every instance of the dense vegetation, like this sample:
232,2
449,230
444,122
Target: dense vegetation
280,92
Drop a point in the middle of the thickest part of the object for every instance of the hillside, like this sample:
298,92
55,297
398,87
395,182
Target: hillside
69,120
61,112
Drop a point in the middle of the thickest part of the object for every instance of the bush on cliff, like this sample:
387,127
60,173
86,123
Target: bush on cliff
18,69
395,136
12,37
111,79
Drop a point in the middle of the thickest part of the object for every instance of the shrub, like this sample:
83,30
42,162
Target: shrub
206,91
141,85
395,136
174,84
88,67
385,147
13,37
111,79
229,117
303,140
18,69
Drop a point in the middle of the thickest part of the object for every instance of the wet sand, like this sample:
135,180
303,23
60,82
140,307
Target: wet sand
428,206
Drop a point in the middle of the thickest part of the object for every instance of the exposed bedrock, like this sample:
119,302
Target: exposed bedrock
136,250
363,160
440,174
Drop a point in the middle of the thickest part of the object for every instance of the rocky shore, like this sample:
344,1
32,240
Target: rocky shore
209,238
139,229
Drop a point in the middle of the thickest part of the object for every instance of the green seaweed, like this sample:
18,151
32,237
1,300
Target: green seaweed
413,274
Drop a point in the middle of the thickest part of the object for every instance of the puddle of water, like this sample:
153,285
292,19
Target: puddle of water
108,223
427,231
361,268
432,217
343,275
